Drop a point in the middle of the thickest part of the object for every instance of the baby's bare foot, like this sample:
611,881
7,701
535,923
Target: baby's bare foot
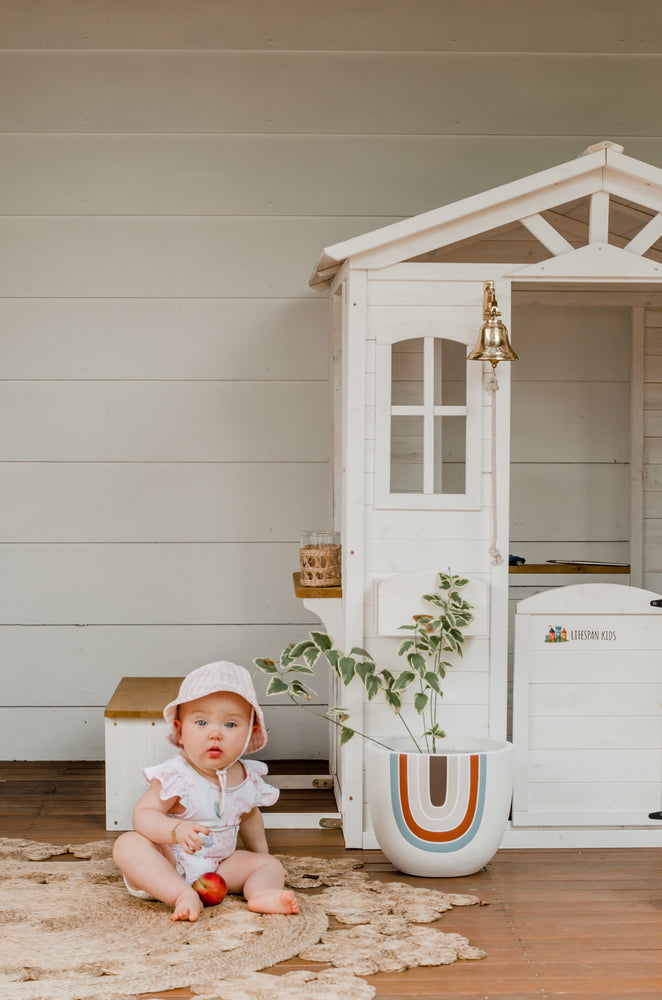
273,901
187,905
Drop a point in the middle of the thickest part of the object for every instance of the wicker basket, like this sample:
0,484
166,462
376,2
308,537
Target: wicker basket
319,556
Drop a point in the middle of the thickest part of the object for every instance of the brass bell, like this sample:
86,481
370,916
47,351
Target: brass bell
493,344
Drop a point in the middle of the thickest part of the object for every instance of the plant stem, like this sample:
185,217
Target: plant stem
414,740
341,725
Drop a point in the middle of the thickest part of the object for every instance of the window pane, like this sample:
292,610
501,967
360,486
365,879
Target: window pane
407,454
450,442
407,373
450,371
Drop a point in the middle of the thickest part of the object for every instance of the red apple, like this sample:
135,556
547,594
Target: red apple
211,888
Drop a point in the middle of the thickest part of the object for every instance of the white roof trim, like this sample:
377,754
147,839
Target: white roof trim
479,213
593,261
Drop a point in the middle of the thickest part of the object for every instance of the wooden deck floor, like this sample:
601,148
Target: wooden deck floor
565,924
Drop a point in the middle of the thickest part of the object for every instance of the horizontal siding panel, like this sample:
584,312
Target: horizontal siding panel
586,734
151,502
119,338
588,699
166,257
465,556
567,664
571,344
371,93
269,175
51,733
653,497
64,665
78,734
570,422
578,502
601,797
163,421
594,765
350,24
149,584
426,524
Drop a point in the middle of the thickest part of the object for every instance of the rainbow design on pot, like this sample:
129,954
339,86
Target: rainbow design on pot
438,801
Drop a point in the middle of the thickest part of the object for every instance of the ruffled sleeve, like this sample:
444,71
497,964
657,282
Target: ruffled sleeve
265,794
169,773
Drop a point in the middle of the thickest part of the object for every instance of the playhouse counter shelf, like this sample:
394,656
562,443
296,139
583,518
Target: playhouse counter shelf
135,736
570,568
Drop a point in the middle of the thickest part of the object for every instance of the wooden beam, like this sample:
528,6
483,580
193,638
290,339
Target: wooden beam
546,234
598,227
646,237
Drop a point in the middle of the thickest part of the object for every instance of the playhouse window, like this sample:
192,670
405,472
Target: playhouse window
425,420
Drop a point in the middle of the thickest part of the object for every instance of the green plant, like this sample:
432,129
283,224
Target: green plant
434,635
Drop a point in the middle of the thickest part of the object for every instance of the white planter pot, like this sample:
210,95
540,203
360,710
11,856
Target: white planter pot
441,815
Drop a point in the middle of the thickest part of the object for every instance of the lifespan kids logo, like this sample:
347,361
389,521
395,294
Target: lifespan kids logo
556,633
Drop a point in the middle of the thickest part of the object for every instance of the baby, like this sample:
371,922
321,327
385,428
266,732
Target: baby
197,802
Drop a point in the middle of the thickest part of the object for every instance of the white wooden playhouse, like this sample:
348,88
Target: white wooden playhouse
422,456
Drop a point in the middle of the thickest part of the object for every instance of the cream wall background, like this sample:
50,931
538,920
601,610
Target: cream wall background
169,172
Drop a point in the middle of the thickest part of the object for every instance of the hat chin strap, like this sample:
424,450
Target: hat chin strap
221,772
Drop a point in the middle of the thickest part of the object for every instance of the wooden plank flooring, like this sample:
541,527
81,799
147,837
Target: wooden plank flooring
565,924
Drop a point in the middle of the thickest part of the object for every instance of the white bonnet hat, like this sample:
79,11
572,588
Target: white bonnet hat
213,677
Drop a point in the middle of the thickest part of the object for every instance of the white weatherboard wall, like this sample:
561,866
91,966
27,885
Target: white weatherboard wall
168,173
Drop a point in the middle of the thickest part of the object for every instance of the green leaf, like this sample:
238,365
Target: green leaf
300,648
337,711
434,599
332,655
301,690
302,668
266,666
421,702
345,735
393,700
346,667
365,669
403,681
435,731
277,686
432,681
405,645
312,655
461,582
417,663
357,651
372,685
322,640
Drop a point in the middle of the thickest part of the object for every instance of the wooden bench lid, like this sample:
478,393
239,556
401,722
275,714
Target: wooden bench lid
142,697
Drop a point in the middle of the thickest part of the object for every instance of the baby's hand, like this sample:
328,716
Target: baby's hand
187,835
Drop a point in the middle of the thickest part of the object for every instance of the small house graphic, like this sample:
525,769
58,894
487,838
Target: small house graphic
556,633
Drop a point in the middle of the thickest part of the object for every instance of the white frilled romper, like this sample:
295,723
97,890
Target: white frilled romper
215,806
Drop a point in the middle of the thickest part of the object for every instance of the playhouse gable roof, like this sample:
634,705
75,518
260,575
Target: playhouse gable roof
600,174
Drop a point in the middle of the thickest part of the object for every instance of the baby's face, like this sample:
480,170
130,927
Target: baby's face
213,730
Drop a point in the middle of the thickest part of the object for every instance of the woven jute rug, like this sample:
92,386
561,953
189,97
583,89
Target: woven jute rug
70,931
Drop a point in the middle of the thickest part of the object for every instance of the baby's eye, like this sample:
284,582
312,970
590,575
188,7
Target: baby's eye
201,722
230,725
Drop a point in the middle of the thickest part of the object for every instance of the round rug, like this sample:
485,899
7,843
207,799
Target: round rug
70,931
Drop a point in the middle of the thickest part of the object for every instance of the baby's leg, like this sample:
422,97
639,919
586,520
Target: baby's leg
146,866
261,878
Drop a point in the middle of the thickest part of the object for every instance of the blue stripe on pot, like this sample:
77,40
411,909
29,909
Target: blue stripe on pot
438,801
